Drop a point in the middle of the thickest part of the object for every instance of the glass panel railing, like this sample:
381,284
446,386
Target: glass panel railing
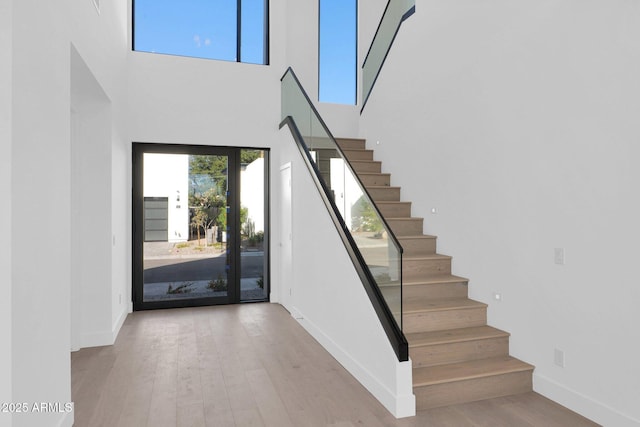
373,241
395,12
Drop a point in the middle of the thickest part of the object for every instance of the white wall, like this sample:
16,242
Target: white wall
90,208
6,80
328,297
40,210
191,101
101,40
101,43
115,19
121,297
519,123
40,189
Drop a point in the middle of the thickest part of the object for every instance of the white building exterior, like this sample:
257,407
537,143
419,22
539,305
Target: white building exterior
167,176
252,192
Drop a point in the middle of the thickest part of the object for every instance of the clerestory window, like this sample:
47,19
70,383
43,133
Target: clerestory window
338,51
230,30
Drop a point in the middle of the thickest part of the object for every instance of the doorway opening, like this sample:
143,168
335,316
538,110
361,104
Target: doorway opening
200,225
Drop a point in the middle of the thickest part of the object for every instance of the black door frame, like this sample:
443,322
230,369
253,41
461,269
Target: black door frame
233,223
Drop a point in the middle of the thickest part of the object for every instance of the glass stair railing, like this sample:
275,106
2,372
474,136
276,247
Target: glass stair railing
394,14
372,246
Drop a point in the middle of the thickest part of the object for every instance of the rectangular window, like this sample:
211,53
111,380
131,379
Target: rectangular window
338,51
231,30
254,26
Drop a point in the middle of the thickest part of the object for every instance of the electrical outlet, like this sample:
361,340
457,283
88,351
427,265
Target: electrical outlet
558,357
497,296
434,211
558,256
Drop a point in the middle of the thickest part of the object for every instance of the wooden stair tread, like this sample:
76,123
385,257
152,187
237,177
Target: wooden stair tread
347,139
432,280
417,236
416,305
410,218
392,202
374,173
472,369
418,339
441,278
425,257
375,187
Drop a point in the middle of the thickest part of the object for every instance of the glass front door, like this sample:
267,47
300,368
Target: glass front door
199,226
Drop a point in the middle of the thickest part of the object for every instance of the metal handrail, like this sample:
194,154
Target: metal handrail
386,15
387,319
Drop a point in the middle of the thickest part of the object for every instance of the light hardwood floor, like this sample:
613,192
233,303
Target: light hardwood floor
251,365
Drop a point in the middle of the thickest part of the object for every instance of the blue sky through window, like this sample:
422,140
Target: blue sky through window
253,28
208,29
200,28
338,28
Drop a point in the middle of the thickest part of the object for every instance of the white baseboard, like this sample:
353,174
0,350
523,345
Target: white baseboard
117,325
400,405
295,313
96,339
585,406
99,339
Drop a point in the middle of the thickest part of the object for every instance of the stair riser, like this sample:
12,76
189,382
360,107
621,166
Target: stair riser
444,319
446,394
435,291
421,269
351,144
431,355
391,194
381,179
408,227
395,210
366,166
417,247
353,155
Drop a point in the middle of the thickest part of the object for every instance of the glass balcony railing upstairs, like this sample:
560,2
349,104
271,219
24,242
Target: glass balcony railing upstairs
375,251
394,14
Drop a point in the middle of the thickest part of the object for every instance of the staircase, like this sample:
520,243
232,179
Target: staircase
456,357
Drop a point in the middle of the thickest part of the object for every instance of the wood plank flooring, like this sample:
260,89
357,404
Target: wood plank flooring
251,365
